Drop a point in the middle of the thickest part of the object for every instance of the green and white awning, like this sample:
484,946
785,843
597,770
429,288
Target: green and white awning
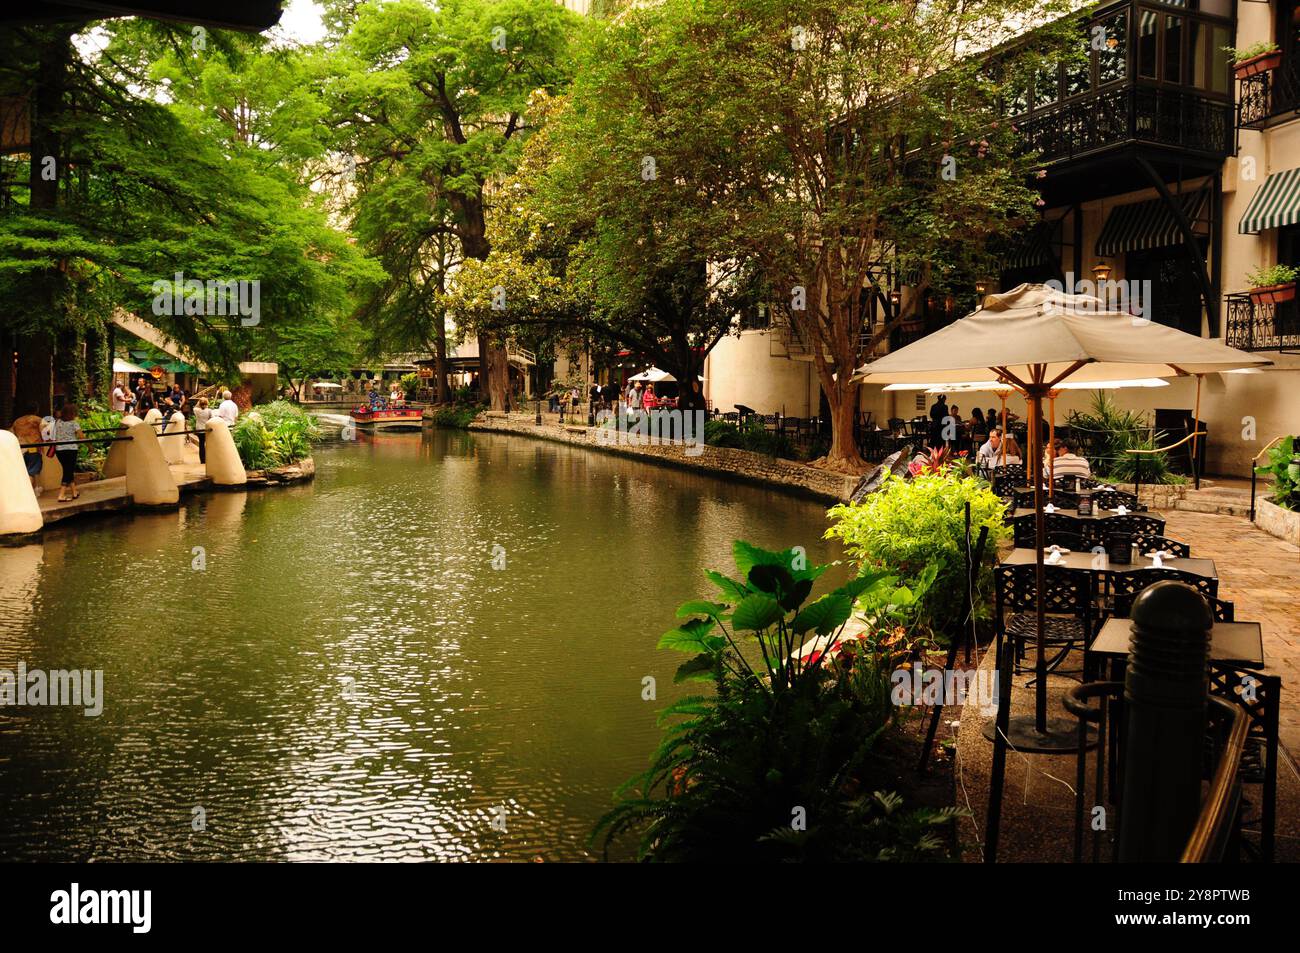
1149,224
1276,203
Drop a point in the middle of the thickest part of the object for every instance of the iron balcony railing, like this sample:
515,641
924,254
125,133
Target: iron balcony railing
1179,118
1262,327
1265,95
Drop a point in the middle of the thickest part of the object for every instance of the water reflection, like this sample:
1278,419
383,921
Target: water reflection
349,676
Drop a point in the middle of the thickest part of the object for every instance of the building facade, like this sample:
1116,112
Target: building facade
1166,173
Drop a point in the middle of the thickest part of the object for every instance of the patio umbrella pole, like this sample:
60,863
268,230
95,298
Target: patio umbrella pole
1038,732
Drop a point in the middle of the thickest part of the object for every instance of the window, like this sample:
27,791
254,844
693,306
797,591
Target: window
1047,86
1111,58
1148,39
1173,49
1219,61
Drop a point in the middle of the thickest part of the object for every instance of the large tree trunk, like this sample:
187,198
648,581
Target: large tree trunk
6,377
36,347
843,454
33,387
493,380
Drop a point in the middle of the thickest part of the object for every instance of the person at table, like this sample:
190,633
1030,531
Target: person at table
979,427
989,455
649,400
1068,463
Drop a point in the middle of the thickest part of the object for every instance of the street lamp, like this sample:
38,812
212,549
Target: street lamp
981,286
1101,270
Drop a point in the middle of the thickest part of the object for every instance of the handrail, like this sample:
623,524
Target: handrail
1218,807
1172,446
1254,476
1269,446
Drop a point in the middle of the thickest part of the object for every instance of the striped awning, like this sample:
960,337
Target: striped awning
1148,224
1037,247
1276,203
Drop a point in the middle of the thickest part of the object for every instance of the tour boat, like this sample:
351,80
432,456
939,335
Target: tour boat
388,418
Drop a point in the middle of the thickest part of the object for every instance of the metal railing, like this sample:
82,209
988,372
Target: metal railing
1262,327
1254,476
1265,95
1172,117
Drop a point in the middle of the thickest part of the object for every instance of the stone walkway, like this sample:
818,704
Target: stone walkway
1260,574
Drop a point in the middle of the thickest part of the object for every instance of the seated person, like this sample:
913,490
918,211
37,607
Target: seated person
1068,463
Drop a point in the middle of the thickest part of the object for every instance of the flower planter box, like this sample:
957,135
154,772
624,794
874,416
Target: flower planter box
1258,64
1272,294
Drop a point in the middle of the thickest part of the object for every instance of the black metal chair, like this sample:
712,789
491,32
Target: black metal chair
1067,605
1260,696
1224,611
1137,524
1156,543
1127,585
1108,499
1066,539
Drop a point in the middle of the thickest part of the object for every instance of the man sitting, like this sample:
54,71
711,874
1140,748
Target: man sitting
989,454
1068,463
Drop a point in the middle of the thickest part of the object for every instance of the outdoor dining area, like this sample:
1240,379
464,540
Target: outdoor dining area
1157,693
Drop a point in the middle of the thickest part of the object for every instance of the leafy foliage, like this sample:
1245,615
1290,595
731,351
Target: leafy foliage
1284,469
1107,433
274,435
754,437
458,416
786,738
911,525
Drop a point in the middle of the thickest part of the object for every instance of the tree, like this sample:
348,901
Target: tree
616,227
813,147
430,104
144,185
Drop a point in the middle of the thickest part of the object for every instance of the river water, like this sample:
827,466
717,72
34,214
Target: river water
436,650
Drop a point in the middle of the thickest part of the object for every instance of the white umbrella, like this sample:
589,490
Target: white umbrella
327,385
126,367
1034,338
653,375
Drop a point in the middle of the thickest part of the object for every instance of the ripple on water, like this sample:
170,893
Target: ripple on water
349,678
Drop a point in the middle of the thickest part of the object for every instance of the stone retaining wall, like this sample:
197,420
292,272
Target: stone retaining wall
740,465
1284,524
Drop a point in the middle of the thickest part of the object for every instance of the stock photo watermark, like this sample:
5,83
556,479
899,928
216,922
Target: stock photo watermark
674,427
189,297
39,688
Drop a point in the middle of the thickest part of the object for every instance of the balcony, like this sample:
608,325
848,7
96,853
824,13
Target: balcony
1262,327
1265,96
1181,119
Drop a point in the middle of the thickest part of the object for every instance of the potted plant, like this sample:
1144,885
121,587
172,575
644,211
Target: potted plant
1272,285
1257,58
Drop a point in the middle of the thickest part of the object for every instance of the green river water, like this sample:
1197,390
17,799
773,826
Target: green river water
350,678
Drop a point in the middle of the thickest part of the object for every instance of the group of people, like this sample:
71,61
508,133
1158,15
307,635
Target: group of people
645,398
56,434
1063,461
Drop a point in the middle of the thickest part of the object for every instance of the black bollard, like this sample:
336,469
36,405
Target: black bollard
1165,704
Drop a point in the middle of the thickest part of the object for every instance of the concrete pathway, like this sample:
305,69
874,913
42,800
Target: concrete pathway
105,495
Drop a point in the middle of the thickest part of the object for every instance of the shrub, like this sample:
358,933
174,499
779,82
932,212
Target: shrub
91,456
793,729
458,416
911,524
274,435
754,437
1273,275
1106,433
1284,467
